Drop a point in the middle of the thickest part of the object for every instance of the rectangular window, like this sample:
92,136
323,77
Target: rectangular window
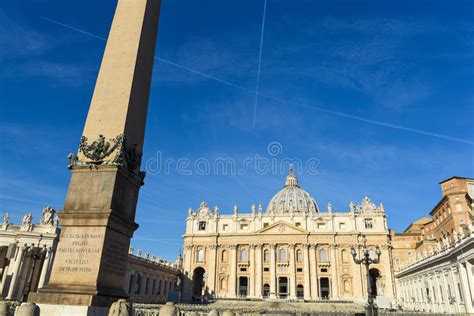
266,269
202,225
324,270
244,226
297,224
243,269
265,225
299,270
321,226
342,225
369,224
225,227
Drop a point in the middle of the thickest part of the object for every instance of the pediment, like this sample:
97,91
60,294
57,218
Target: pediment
282,228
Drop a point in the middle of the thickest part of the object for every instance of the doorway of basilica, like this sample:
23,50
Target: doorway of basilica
374,281
282,287
198,282
324,288
243,286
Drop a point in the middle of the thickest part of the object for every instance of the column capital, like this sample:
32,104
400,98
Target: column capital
259,246
313,247
272,246
233,247
291,246
213,246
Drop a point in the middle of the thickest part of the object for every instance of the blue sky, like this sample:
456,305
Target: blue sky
378,94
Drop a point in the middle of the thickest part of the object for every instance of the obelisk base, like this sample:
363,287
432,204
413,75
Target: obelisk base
74,295
90,264
72,310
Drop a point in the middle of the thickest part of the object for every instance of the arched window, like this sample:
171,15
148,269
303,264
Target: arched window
266,290
345,256
347,286
282,254
200,255
299,291
323,256
223,284
299,256
244,255
266,256
224,256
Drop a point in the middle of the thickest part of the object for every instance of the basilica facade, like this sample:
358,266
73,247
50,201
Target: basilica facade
291,250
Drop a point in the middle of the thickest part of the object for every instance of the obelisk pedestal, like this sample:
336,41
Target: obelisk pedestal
98,219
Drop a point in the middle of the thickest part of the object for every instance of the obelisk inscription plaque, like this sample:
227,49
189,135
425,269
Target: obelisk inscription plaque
99,213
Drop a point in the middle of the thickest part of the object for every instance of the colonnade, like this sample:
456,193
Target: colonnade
148,287
17,274
443,290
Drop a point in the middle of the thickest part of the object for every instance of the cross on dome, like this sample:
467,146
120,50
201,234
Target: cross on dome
291,180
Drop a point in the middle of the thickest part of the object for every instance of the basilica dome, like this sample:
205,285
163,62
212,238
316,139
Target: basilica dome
292,199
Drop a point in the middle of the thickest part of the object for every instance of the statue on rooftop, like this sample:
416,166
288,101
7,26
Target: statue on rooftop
6,218
27,219
48,216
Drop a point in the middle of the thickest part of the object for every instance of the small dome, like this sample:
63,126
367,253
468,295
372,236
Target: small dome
292,199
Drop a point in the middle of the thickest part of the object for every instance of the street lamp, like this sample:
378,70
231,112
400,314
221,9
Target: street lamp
36,253
367,261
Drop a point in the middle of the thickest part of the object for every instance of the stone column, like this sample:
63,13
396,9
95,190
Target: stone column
258,271
189,258
440,296
15,271
430,290
359,281
334,274
470,279
307,282
292,268
213,270
98,219
445,288
252,271
314,272
454,289
127,282
233,272
44,269
465,288
4,278
273,280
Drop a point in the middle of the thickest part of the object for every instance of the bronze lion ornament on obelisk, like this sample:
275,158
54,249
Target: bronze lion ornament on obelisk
98,219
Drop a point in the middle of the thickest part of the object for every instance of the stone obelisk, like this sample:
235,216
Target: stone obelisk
98,219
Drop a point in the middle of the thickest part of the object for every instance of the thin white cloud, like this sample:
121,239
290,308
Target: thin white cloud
341,114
